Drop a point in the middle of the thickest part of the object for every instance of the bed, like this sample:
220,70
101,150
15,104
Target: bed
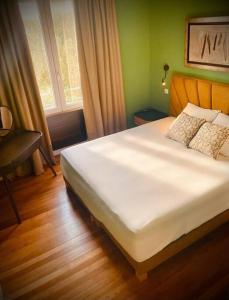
152,195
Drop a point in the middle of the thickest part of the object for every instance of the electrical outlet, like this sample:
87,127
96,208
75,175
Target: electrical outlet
166,91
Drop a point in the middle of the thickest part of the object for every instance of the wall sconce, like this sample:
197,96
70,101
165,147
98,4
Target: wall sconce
166,68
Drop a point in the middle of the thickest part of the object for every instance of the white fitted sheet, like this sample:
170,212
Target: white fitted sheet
146,189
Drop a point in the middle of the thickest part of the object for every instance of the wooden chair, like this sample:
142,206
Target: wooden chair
15,148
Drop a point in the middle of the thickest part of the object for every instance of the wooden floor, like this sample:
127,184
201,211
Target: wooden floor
57,253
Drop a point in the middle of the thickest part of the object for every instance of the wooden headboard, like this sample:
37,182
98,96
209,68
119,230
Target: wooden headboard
204,93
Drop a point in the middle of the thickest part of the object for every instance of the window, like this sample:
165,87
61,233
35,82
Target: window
51,34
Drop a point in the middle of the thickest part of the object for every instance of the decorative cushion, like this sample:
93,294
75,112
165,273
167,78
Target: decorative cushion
209,139
202,113
223,120
184,128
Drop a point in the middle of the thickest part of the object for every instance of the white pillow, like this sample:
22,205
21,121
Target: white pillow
223,120
202,113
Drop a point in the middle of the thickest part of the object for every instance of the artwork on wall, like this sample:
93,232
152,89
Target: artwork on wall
207,43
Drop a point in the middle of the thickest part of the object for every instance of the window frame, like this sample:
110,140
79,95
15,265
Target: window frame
48,33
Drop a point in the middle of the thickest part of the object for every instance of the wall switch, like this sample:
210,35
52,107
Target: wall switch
166,91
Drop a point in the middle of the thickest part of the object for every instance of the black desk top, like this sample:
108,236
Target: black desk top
16,148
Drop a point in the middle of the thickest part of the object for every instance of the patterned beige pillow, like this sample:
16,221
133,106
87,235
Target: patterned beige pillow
184,128
209,139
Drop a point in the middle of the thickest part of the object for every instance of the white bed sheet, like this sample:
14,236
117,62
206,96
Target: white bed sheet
145,188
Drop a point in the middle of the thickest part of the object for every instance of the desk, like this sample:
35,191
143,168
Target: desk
15,148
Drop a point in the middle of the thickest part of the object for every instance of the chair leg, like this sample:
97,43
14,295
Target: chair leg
5,181
47,161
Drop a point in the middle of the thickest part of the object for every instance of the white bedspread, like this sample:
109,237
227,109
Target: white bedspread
145,188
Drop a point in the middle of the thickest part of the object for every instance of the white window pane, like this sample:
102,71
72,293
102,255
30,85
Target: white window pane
31,19
65,34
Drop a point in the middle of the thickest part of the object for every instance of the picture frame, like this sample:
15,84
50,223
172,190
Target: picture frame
207,43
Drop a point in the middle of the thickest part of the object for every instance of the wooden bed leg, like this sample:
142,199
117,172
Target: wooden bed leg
141,276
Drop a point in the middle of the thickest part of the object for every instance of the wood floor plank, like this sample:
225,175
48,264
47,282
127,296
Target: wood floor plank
61,277
58,253
49,265
49,255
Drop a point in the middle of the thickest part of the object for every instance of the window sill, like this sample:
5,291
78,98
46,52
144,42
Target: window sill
62,112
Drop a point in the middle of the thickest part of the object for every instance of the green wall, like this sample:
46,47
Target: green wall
134,19
153,33
168,40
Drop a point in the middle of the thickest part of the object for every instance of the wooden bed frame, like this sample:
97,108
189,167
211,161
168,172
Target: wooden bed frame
142,268
206,94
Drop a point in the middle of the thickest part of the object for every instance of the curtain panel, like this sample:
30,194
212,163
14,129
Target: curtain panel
18,87
100,67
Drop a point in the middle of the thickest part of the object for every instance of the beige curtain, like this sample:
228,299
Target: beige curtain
18,87
100,67
5,117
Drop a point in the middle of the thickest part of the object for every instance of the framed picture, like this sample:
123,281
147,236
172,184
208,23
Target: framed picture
207,43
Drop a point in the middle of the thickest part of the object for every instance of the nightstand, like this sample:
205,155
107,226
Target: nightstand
148,115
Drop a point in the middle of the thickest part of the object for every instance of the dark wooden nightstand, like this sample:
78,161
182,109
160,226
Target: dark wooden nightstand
148,115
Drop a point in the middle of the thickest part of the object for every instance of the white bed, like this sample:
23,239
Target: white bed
146,189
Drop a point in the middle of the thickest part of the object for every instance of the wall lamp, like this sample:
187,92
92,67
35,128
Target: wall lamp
166,68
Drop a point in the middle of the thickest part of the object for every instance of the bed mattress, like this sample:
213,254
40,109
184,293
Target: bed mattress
146,189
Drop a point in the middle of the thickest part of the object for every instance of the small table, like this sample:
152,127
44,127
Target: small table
15,148
148,115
